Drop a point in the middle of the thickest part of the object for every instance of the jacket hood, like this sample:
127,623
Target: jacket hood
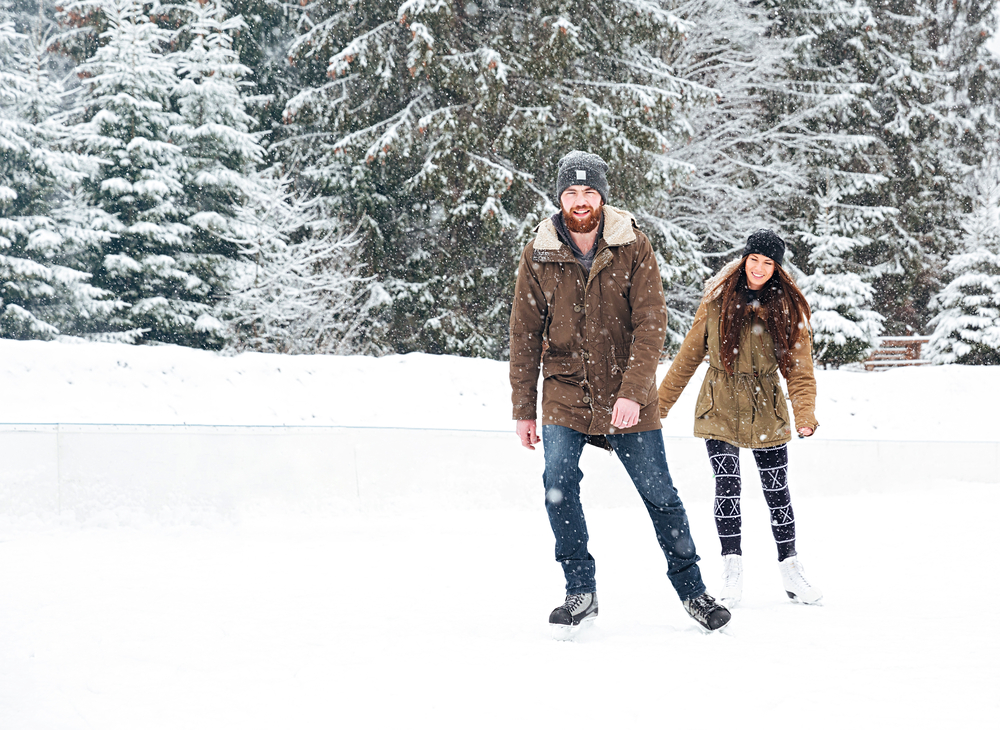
618,230
713,287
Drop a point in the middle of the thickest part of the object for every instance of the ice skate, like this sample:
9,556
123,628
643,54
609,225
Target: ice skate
709,614
796,585
732,580
577,611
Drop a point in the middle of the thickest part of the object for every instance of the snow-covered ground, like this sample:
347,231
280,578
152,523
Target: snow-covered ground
433,611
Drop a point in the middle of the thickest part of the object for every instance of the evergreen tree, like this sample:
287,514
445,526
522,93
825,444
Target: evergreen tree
891,70
220,153
822,117
298,293
154,263
735,175
45,234
909,91
844,326
967,322
437,128
271,27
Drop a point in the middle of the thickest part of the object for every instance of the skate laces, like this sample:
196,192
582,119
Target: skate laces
575,601
701,605
794,571
731,572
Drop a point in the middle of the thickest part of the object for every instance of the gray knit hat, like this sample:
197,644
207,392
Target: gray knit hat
582,168
767,243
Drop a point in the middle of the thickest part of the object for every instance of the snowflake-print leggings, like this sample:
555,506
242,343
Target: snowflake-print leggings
772,463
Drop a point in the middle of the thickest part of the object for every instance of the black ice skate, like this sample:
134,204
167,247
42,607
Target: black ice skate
577,611
703,609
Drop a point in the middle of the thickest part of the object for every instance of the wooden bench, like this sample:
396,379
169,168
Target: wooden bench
894,352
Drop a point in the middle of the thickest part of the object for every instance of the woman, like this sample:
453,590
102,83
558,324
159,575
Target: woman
753,323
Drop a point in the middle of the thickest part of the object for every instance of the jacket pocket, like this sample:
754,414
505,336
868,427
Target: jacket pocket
562,385
619,281
706,401
566,371
781,406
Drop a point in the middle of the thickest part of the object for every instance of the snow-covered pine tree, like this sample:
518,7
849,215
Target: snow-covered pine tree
45,235
962,33
737,179
263,48
822,119
298,293
931,83
844,326
886,68
967,320
909,90
221,154
124,115
437,128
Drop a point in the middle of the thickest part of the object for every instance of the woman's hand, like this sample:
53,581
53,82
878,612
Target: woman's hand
805,431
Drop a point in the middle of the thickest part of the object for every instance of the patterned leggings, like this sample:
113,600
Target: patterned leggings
772,463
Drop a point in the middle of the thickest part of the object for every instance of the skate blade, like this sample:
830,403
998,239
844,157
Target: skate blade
818,601
724,629
561,632
720,630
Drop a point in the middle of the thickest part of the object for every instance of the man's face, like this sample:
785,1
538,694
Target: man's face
581,207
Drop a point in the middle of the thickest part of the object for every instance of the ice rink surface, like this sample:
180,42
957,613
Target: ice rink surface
383,619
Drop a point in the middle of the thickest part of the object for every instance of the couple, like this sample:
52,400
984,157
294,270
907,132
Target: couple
589,311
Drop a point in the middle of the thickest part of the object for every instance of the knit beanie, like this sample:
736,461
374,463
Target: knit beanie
766,243
582,168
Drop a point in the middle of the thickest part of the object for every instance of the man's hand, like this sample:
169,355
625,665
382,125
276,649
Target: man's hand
527,432
804,432
625,414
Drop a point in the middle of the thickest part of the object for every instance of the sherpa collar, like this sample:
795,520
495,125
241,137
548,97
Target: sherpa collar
617,230
713,287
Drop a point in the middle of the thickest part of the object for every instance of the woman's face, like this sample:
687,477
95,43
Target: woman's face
760,269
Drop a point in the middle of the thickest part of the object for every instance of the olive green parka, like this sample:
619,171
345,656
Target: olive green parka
595,338
748,408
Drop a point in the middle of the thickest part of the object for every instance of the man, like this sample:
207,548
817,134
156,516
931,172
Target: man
589,310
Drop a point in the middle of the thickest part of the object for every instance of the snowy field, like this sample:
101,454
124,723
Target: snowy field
429,606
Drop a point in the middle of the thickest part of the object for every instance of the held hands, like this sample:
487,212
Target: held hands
528,433
625,413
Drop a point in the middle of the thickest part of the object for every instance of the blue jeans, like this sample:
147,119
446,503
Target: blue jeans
645,461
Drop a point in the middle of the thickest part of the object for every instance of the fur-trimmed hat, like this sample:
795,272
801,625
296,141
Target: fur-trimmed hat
582,168
766,243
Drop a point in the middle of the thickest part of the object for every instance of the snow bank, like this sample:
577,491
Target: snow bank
46,382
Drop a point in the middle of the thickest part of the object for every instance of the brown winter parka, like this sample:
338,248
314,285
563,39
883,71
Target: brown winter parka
748,408
595,339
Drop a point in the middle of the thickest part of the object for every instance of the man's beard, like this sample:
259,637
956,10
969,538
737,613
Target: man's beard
587,224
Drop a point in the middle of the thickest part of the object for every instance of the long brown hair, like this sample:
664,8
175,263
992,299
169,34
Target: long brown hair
780,304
